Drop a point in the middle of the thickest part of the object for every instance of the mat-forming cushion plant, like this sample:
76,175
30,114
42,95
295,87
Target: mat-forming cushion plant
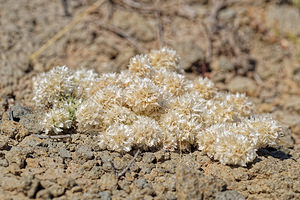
151,106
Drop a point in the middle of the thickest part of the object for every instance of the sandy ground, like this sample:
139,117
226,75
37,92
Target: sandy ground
246,46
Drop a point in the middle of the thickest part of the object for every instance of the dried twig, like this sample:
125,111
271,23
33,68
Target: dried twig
258,80
159,25
11,116
137,5
129,164
210,41
113,167
165,10
52,136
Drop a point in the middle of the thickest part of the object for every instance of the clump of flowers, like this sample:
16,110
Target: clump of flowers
152,105
61,91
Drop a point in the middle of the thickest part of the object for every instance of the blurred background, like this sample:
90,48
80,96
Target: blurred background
245,46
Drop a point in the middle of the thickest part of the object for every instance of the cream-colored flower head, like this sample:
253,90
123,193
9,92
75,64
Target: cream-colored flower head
218,112
143,96
179,130
117,137
164,58
140,65
56,121
103,81
229,143
108,96
118,114
152,105
49,88
147,133
89,117
189,104
204,87
84,80
267,129
61,85
171,82
182,122
242,106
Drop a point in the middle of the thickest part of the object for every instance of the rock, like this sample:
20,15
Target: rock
56,190
3,142
31,141
224,65
46,183
108,182
229,195
192,184
162,156
95,173
125,185
187,183
76,189
105,195
3,162
64,153
32,162
13,130
191,54
141,183
31,122
50,174
296,74
240,174
135,25
187,11
283,18
33,189
27,117
292,103
17,156
227,14
265,73
104,156
171,195
210,186
243,85
43,194
287,118
66,182
148,157
119,194
11,183
119,163
286,140
19,112
84,153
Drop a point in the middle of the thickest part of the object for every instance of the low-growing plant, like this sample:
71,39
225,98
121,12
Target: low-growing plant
152,105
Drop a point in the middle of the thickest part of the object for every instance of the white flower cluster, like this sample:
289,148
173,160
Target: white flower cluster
152,105
60,91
